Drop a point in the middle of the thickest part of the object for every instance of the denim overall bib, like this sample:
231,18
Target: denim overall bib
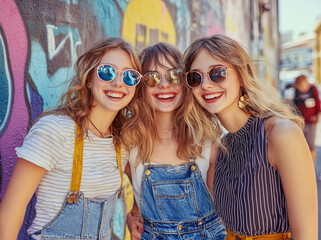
81,217
175,203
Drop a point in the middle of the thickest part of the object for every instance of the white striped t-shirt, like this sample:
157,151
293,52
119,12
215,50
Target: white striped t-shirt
50,144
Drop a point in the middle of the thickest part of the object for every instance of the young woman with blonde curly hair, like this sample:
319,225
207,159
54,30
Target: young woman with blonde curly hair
72,154
264,183
170,140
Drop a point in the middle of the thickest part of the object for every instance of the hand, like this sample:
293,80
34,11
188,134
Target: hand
135,225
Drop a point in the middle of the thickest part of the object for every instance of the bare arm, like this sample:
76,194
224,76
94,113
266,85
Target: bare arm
211,169
23,183
289,153
134,221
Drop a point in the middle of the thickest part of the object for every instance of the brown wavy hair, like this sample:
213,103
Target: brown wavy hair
77,101
263,100
192,125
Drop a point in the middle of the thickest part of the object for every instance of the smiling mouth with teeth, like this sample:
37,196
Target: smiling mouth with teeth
165,96
114,94
212,96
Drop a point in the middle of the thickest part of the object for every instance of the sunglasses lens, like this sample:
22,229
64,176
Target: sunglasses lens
151,79
106,73
193,79
217,74
131,77
174,76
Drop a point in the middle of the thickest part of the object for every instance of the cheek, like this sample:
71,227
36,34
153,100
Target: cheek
196,92
131,91
149,92
181,92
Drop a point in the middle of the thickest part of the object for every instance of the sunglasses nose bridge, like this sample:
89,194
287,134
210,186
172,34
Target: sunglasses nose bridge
206,80
163,81
118,79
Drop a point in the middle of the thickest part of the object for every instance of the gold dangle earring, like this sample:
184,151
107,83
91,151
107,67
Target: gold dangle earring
244,99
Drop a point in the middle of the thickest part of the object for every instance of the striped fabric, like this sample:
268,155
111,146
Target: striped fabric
248,193
50,144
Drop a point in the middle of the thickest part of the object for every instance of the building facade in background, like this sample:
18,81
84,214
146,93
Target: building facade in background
296,59
41,40
317,52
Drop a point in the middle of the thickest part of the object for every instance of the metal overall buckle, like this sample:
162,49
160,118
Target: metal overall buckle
73,198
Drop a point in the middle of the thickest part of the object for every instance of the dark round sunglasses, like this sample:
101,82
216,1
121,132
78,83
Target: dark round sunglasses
173,76
217,74
107,73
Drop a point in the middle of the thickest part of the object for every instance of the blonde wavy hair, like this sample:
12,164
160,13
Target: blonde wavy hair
77,101
263,100
192,125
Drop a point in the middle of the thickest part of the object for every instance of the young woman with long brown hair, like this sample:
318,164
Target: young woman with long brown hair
72,154
264,182
170,141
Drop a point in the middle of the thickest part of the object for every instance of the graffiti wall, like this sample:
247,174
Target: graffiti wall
41,40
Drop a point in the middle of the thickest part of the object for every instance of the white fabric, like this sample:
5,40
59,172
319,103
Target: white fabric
137,172
50,144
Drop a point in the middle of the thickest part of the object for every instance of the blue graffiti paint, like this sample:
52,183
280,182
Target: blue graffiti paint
108,16
118,221
182,24
69,33
70,1
123,4
49,88
6,87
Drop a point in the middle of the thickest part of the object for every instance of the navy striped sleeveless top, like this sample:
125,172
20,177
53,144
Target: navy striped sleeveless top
248,193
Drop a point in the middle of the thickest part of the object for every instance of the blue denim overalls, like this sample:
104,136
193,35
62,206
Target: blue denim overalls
175,203
81,217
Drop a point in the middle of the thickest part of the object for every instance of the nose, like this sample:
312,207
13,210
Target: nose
206,82
163,83
118,81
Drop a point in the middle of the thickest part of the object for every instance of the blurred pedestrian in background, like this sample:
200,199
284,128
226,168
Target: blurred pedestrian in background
306,99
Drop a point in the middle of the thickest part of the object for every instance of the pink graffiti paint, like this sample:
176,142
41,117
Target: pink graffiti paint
213,28
17,42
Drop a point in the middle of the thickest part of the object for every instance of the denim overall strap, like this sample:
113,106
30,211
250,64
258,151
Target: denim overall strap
81,217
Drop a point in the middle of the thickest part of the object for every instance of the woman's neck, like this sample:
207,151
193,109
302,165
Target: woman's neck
101,120
233,121
165,125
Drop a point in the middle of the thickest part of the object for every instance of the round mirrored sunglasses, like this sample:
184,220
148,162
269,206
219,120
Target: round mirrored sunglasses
217,74
173,76
107,73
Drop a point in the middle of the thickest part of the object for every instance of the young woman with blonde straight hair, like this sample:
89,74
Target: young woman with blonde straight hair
264,183
72,154
170,140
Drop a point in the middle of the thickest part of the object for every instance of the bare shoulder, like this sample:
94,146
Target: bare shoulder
286,142
278,129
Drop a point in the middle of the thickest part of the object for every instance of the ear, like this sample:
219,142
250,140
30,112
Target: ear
89,85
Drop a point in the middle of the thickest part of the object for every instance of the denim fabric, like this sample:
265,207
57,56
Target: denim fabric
87,219
176,204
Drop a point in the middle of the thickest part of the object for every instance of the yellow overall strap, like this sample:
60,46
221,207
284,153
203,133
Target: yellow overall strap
118,156
77,163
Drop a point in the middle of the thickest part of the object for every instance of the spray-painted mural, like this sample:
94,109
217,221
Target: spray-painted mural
41,40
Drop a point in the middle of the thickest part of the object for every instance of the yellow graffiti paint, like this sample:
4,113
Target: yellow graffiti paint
129,198
147,22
